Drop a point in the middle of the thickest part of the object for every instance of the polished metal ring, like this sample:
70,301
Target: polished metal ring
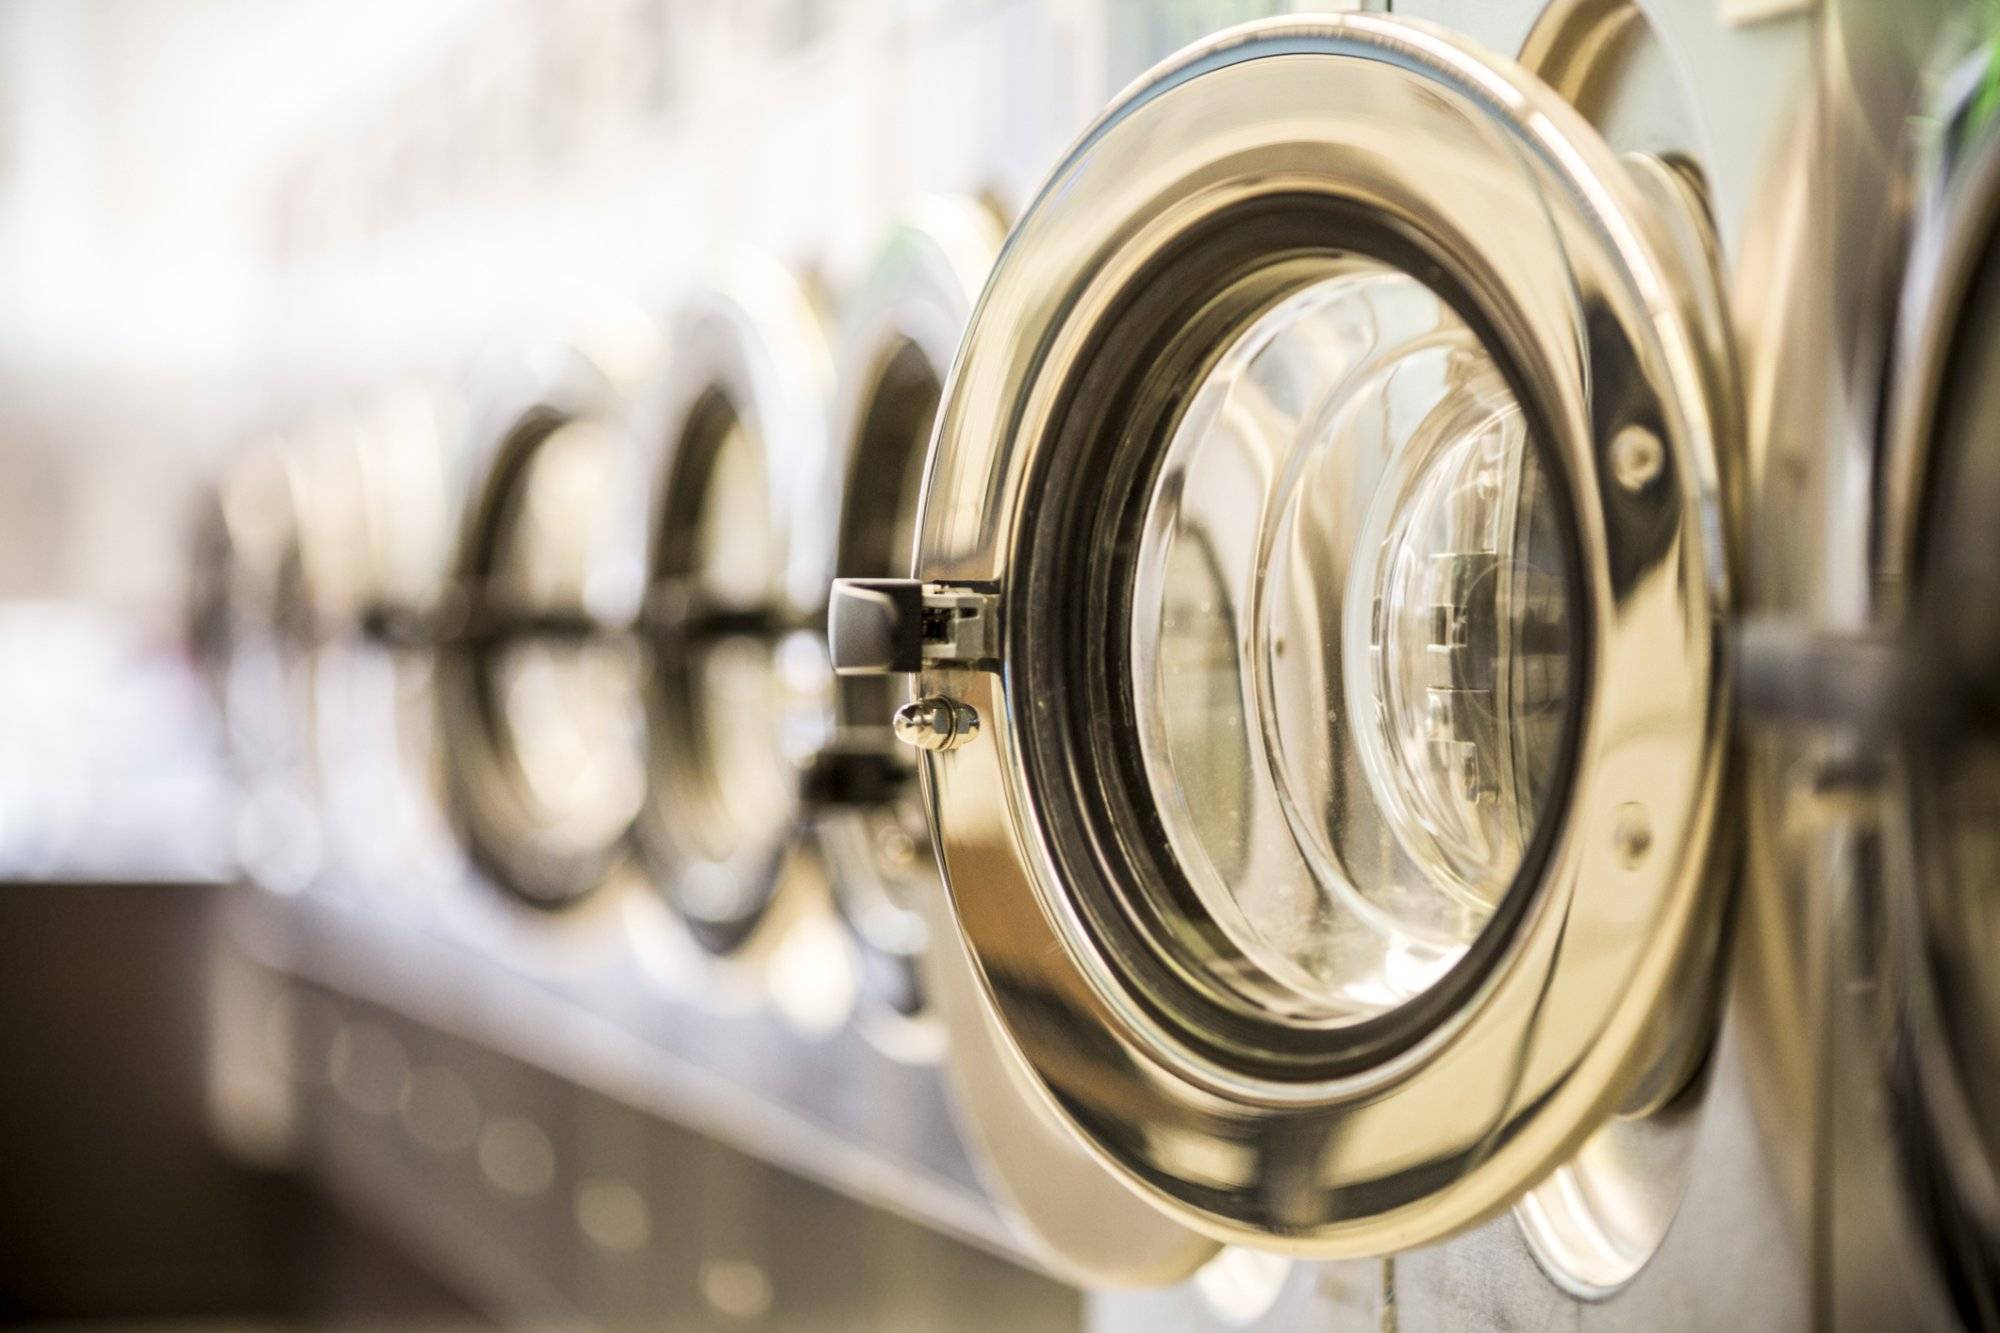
542,854
1393,138
735,689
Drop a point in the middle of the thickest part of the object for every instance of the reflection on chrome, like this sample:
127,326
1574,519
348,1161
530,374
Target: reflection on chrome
570,709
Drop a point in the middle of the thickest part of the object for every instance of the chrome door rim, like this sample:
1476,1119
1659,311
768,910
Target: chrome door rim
755,342
386,767
1546,1042
521,405
1079,1220
915,301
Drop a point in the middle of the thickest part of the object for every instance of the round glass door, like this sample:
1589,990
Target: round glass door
563,710
1316,630
380,780
1937,573
281,567
737,689
899,333
253,617
540,698
728,786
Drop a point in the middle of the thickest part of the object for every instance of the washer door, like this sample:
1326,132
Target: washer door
384,809
1937,576
538,706
736,689
1318,635
262,559
900,329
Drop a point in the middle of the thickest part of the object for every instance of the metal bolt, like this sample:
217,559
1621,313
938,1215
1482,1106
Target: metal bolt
1632,835
1636,457
936,723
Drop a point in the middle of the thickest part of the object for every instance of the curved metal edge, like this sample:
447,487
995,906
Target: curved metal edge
922,287
1080,1221
919,289
247,582
1576,47
1954,217
410,420
758,336
1955,220
1080,1218
556,377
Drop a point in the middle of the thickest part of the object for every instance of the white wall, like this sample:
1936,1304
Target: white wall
139,140
216,213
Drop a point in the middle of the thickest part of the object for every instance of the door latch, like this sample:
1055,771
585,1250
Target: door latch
884,627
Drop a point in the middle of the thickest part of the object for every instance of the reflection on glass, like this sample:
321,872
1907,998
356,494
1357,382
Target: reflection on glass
743,711
736,686
890,861
735,548
1351,644
570,707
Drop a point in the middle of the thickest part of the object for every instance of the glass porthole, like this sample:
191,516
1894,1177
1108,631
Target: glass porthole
737,689
562,709
537,678
1351,642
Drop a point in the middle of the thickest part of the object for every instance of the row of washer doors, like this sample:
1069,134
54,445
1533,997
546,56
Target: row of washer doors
1309,586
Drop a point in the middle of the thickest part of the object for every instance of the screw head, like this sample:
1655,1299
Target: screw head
1637,456
936,723
1632,834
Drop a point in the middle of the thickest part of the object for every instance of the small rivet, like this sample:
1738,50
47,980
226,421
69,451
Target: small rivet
936,723
1636,457
1632,835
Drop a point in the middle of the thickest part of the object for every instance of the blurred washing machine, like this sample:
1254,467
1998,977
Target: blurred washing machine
729,441
276,572
1323,676
558,939
317,549
537,681
1879,679
382,803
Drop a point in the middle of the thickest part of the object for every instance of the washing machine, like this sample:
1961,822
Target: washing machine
1320,645
388,830
1876,685
729,441
1316,569
279,569
537,673
244,586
